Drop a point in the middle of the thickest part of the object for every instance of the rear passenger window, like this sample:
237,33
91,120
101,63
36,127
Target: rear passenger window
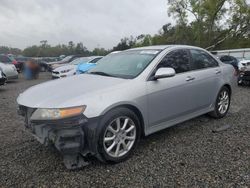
178,60
202,59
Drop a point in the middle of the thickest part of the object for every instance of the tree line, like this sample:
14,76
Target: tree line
210,24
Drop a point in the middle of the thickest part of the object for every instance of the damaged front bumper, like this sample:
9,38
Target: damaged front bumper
244,77
75,138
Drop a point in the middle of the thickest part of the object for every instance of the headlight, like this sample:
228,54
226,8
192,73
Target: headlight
65,71
54,114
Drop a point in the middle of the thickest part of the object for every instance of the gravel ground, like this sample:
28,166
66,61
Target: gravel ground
191,154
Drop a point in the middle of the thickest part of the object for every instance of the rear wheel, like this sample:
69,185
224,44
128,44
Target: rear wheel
222,103
119,136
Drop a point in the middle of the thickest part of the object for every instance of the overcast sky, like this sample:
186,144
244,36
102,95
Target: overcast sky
95,23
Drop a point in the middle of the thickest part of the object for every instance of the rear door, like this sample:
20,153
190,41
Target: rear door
207,74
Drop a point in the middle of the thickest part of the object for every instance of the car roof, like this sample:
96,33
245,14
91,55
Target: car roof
163,47
158,47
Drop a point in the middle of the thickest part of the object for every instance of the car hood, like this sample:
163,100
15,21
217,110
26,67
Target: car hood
68,92
65,67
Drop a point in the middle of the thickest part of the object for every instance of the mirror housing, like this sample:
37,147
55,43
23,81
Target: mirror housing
164,73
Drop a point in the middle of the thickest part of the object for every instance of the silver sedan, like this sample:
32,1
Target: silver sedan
135,92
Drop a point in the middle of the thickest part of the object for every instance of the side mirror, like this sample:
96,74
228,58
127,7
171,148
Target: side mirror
164,73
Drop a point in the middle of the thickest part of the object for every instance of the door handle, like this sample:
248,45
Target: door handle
217,71
189,78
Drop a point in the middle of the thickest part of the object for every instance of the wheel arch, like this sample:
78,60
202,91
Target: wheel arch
228,87
133,108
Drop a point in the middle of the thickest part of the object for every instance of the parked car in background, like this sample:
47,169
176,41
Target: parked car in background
9,70
230,60
7,59
21,60
240,53
43,63
85,66
244,76
2,78
136,92
71,68
67,59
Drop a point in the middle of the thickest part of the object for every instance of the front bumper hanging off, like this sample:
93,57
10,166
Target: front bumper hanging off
75,138
244,77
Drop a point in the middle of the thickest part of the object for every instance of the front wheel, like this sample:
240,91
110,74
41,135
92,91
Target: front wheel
119,136
222,103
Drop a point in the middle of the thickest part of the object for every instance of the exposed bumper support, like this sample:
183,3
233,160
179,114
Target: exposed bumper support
75,138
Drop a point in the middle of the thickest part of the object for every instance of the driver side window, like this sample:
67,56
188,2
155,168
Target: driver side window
178,60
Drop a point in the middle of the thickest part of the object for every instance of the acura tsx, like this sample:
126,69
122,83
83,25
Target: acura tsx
104,112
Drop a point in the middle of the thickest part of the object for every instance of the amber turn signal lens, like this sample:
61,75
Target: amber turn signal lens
68,112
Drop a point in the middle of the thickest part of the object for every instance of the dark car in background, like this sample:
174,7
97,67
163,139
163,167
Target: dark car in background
7,59
2,78
230,60
21,60
43,64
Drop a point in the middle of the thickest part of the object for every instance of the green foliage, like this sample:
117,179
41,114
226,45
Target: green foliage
211,24
214,21
45,50
8,50
100,52
125,44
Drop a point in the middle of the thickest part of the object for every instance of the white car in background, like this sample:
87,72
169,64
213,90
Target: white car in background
70,69
244,77
244,64
9,70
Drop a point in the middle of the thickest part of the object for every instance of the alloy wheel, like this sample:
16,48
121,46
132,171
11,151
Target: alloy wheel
223,102
119,137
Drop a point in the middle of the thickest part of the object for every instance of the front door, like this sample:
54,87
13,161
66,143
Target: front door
169,98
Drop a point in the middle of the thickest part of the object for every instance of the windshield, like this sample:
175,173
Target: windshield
80,60
128,64
67,58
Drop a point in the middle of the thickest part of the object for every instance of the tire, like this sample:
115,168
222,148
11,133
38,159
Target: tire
221,111
110,119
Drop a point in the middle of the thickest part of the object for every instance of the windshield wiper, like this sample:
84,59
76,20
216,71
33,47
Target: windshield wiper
101,73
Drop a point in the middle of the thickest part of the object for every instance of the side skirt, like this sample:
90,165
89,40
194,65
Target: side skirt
166,124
